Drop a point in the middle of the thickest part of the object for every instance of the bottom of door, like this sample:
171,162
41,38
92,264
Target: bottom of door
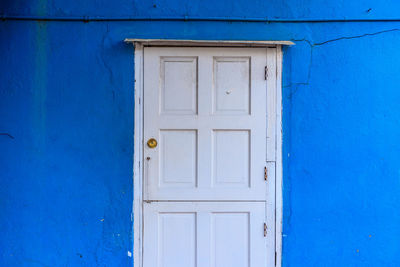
204,234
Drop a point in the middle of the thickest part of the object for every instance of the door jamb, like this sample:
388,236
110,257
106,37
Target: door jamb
137,208
137,205
279,170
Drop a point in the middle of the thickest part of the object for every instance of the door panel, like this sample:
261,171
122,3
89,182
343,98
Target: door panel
178,164
231,85
206,107
178,77
231,167
206,234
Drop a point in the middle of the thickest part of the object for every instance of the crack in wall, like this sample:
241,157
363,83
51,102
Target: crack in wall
102,58
305,83
355,37
34,261
312,45
7,134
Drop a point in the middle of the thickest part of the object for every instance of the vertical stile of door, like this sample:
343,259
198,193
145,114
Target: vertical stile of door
271,156
203,241
278,164
271,104
204,139
204,97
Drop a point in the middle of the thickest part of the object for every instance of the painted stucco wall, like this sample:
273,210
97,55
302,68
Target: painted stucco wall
66,124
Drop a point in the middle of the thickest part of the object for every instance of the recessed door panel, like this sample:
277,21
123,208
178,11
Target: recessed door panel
178,163
235,227
178,85
177,239
231,166
231,87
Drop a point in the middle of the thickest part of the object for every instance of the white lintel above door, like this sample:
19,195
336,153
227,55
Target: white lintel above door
213,43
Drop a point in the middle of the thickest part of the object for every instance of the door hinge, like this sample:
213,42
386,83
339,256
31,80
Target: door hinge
265,173
266,73
265,229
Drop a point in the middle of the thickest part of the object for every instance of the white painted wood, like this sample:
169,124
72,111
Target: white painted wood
271,152
279,171
213,43
137,158
178,164
204,234
214,148
178,77
270,214
202,215
271,104
231,159
237,101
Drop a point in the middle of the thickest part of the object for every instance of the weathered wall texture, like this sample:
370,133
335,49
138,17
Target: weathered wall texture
261,9
66,124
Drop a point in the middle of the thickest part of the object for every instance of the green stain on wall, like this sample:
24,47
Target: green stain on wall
41,7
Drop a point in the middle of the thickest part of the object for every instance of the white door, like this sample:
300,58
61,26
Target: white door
205,152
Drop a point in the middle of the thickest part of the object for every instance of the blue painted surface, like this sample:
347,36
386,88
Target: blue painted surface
66,124
272,9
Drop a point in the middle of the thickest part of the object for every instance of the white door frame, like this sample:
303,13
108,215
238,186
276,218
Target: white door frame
274,134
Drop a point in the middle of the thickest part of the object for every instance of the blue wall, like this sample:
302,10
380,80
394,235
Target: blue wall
66,124
262,9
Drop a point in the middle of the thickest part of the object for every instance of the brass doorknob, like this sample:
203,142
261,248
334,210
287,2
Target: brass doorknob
152,143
